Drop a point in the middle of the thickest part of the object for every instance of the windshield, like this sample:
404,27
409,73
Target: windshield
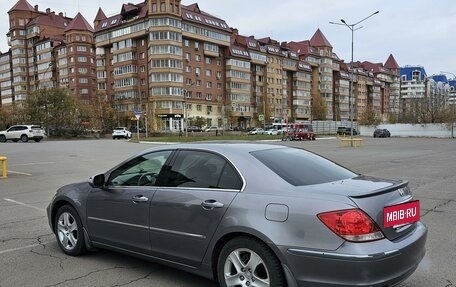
299,167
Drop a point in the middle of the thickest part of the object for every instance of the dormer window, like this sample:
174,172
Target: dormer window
113,21
104,24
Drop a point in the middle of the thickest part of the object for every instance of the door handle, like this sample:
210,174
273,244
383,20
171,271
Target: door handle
139,198
211,204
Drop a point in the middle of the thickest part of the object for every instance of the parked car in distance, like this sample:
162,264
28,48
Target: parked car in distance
121,133
382,133
194,129
346,131
23,133
299,131
272,132
256,131
246,215
211,129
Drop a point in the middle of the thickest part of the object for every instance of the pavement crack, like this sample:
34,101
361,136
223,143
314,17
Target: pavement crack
435,207
448,285
43,245
24,238
132,281
87,275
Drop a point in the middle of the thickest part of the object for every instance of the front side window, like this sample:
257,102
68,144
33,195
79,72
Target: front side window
140,171
200,169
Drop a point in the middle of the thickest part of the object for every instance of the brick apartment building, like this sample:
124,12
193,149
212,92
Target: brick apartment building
171,61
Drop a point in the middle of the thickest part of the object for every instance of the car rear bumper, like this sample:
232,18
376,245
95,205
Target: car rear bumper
379,263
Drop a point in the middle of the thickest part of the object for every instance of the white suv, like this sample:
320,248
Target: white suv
23,133
121,132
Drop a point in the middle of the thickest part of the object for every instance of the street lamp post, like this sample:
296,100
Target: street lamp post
453,103
350,95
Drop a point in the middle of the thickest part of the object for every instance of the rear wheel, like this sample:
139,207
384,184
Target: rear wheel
245,261
24,138
68,231
2,139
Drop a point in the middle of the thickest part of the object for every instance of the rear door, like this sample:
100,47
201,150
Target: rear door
194,194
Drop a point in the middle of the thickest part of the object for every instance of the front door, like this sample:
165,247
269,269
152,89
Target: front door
118,214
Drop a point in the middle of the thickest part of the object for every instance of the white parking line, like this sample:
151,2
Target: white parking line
17,172
20,248
24,204
34,163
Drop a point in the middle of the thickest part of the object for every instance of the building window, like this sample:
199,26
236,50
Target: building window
208,72
198,108
186,43
198,58
208,60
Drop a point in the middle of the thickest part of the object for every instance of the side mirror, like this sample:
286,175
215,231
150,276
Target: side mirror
97,180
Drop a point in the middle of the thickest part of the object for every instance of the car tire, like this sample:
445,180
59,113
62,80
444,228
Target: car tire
2,139
68,231
24,138
245,250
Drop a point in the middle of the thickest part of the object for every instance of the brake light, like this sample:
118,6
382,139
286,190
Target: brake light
352,225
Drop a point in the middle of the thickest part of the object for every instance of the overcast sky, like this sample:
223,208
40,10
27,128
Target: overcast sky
416,32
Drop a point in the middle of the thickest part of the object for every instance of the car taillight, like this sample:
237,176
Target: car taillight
352,225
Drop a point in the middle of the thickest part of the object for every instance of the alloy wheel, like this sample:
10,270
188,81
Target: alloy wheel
245,268
68,232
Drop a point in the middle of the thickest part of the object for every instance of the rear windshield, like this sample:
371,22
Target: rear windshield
299,167
35,127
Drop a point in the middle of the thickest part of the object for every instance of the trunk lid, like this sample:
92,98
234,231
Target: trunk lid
371,195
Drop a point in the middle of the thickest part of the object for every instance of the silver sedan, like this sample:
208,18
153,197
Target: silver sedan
246,215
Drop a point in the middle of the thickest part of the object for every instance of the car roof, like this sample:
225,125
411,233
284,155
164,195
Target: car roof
226,148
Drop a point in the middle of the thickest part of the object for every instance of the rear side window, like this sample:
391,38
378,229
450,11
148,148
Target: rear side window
299,167
200,169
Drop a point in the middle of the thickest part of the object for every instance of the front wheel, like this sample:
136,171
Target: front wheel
68,231
245,261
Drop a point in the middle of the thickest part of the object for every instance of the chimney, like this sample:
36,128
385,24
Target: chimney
36,8
60,14
48,10
235,31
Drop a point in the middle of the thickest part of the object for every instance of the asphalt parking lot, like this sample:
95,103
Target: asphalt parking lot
30,256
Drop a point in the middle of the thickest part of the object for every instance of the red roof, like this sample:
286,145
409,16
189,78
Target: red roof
22,5
79,23
301,48
319,40
100,15
391,63
51,20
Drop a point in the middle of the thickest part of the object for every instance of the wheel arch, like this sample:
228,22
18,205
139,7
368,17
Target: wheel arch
57,205
218,246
